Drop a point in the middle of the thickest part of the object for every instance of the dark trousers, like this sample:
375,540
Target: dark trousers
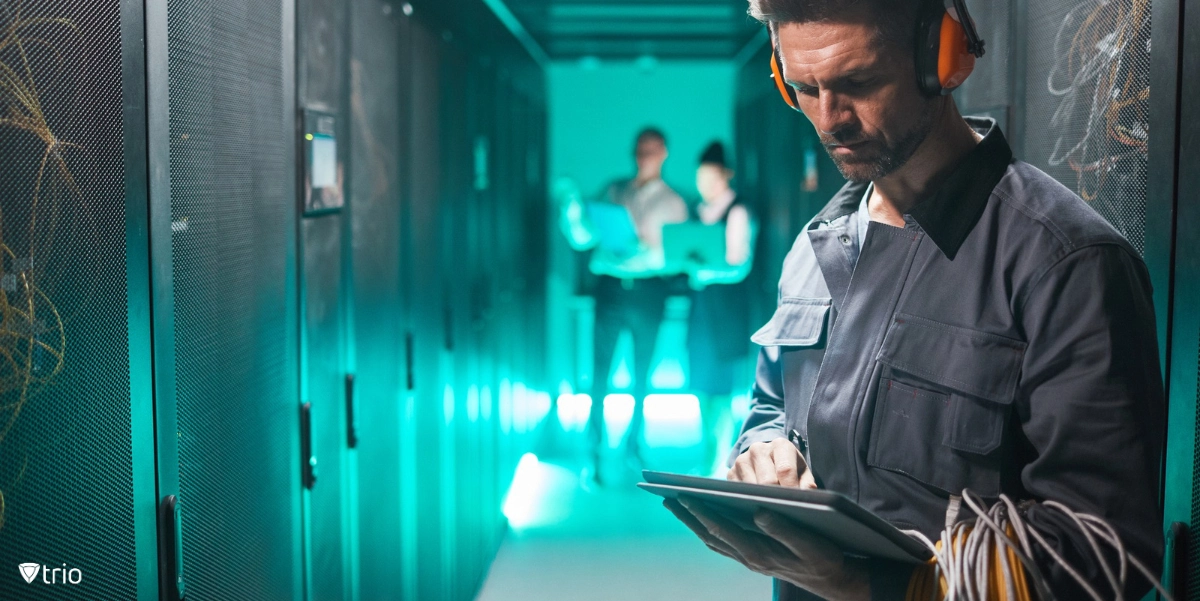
636,305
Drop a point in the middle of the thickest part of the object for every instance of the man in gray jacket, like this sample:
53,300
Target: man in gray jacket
952,319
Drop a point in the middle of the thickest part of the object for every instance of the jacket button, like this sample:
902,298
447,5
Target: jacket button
845,240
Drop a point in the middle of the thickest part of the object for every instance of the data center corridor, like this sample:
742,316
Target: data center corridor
295,303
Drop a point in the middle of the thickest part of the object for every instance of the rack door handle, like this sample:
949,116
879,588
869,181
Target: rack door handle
171,549
308,465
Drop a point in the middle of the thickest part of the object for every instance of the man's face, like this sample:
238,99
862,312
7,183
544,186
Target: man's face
859,92
650,155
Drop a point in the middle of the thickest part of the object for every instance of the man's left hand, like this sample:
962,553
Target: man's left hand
786,552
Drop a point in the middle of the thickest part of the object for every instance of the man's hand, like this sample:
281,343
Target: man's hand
776,463
786,552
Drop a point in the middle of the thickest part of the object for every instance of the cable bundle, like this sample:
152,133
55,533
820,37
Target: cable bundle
982,559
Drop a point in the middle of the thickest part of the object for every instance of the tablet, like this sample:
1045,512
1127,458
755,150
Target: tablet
830,514
614,226
695,242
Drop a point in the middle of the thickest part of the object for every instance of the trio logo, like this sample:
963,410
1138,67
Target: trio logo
29,571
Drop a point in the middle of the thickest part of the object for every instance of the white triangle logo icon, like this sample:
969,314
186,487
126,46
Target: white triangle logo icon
30,571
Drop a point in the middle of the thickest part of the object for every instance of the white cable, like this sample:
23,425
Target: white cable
965,557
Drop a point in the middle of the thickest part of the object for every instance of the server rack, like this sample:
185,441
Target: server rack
379,311
223,220
326,376
202,308
76,424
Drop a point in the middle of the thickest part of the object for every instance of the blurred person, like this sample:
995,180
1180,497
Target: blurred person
718,326
632,284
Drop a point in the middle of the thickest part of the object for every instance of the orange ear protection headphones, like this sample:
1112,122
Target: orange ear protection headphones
947,45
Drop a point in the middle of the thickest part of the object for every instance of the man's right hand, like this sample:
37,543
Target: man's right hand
777,463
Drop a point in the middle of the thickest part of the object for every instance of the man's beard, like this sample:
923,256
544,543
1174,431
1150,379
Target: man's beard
883,158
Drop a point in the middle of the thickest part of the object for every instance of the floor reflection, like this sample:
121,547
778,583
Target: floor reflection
616,542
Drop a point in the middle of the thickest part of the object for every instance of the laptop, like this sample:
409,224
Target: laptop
613,225
694,242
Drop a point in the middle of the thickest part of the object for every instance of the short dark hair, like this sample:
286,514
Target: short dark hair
895,20
652,133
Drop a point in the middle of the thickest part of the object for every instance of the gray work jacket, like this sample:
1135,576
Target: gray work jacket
1003,340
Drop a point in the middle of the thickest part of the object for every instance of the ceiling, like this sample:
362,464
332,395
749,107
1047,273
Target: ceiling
631,29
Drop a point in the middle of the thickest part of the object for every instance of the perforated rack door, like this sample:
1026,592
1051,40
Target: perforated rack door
377,101
1087,89
1073,97
233,220
67,452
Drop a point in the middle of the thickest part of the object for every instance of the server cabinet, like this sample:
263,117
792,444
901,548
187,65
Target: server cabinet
76,416
457,208
376,110
326,383
434,401
220,78
324,388
1176,177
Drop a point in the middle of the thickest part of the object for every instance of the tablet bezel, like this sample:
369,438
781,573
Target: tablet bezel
847,524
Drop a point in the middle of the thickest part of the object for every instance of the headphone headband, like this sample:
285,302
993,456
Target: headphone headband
947,44
975,44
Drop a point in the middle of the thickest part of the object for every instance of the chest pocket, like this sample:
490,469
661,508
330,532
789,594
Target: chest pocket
944,397
799,328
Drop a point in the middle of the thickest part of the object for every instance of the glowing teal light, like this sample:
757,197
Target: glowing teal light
646,62
506,407
541,494
622,379
448,404
520,408
520,506
473,403
672,420
541,406
618,411
668,375
573,410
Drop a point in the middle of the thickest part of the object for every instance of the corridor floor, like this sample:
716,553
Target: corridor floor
613,543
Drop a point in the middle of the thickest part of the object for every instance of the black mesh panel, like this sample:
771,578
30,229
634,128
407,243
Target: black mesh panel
1087,88
65,448
321,41
324,373
231,215
1193,568
375,114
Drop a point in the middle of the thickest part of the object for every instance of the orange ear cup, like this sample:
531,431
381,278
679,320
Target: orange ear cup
955,62
789,94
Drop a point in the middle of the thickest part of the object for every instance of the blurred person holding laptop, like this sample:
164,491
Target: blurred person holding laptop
632,278
718,324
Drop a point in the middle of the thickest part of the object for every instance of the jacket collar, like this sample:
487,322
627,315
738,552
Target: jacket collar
949,215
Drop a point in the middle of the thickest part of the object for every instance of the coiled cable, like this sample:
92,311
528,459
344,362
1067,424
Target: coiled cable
980,559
